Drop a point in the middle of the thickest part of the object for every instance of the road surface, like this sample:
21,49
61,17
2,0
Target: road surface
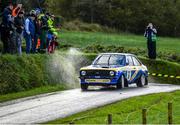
58,105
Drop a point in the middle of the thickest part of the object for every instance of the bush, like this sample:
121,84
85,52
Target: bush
77,25
1,47
22,73
97,48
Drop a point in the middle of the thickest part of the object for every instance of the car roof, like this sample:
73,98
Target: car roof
125,54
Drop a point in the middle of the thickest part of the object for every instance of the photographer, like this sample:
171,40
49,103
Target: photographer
150,34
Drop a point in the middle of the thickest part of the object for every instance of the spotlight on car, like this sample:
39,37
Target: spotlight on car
83,73
112,73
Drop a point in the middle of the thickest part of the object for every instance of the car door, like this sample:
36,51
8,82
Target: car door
129,68
136,68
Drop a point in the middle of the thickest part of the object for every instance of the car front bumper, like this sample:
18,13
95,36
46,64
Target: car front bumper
101,81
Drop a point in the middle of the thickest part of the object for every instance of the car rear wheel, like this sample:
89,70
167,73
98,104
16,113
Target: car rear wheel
121,83
126,83
84,87
143,81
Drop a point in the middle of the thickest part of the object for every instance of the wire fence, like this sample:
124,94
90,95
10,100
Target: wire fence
145,115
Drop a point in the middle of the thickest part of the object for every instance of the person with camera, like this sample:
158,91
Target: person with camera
150,34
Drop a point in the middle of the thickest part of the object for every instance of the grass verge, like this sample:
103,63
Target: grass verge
129,111
32,92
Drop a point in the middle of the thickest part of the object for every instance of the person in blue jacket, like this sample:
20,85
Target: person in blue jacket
29,32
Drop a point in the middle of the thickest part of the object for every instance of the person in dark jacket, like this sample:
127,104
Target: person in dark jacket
5,15
6,28
19,24
150,34
29,32
44,30
37,30
12,39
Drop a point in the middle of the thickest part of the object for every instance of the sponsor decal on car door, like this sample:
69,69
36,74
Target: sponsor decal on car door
129,70
137,68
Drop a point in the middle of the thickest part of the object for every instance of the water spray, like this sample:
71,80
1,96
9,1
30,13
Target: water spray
64,67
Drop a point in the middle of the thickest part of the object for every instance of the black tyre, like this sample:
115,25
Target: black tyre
126,83
143,81
84,87
121,83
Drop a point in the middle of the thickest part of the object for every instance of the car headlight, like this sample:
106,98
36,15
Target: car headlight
83,73
112,73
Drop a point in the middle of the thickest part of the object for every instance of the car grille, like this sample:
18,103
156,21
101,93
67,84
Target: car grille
97,73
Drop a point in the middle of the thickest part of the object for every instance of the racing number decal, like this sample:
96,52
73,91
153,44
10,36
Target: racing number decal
128,75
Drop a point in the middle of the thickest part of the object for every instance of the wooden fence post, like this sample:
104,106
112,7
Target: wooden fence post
71,123
144,119
170,119
109,119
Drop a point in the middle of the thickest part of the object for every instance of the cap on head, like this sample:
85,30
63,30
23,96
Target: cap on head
150,24
38,11
32,12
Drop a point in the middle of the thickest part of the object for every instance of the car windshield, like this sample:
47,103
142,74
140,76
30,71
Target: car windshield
110,60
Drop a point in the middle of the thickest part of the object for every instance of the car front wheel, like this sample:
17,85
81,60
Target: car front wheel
121,83
84,87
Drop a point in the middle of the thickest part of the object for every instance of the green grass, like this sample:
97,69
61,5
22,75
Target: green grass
84,39
129,111
32,92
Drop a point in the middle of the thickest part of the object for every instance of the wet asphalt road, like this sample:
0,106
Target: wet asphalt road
61,104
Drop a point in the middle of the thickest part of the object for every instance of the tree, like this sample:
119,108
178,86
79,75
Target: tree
125,15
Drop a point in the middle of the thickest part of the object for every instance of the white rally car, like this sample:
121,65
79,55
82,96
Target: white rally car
114,69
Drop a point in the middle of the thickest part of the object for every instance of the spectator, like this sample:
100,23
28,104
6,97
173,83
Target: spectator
37,30
44,30
52,30
52,35
29,32
19,24
6,29
150,34
12,37
16,10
